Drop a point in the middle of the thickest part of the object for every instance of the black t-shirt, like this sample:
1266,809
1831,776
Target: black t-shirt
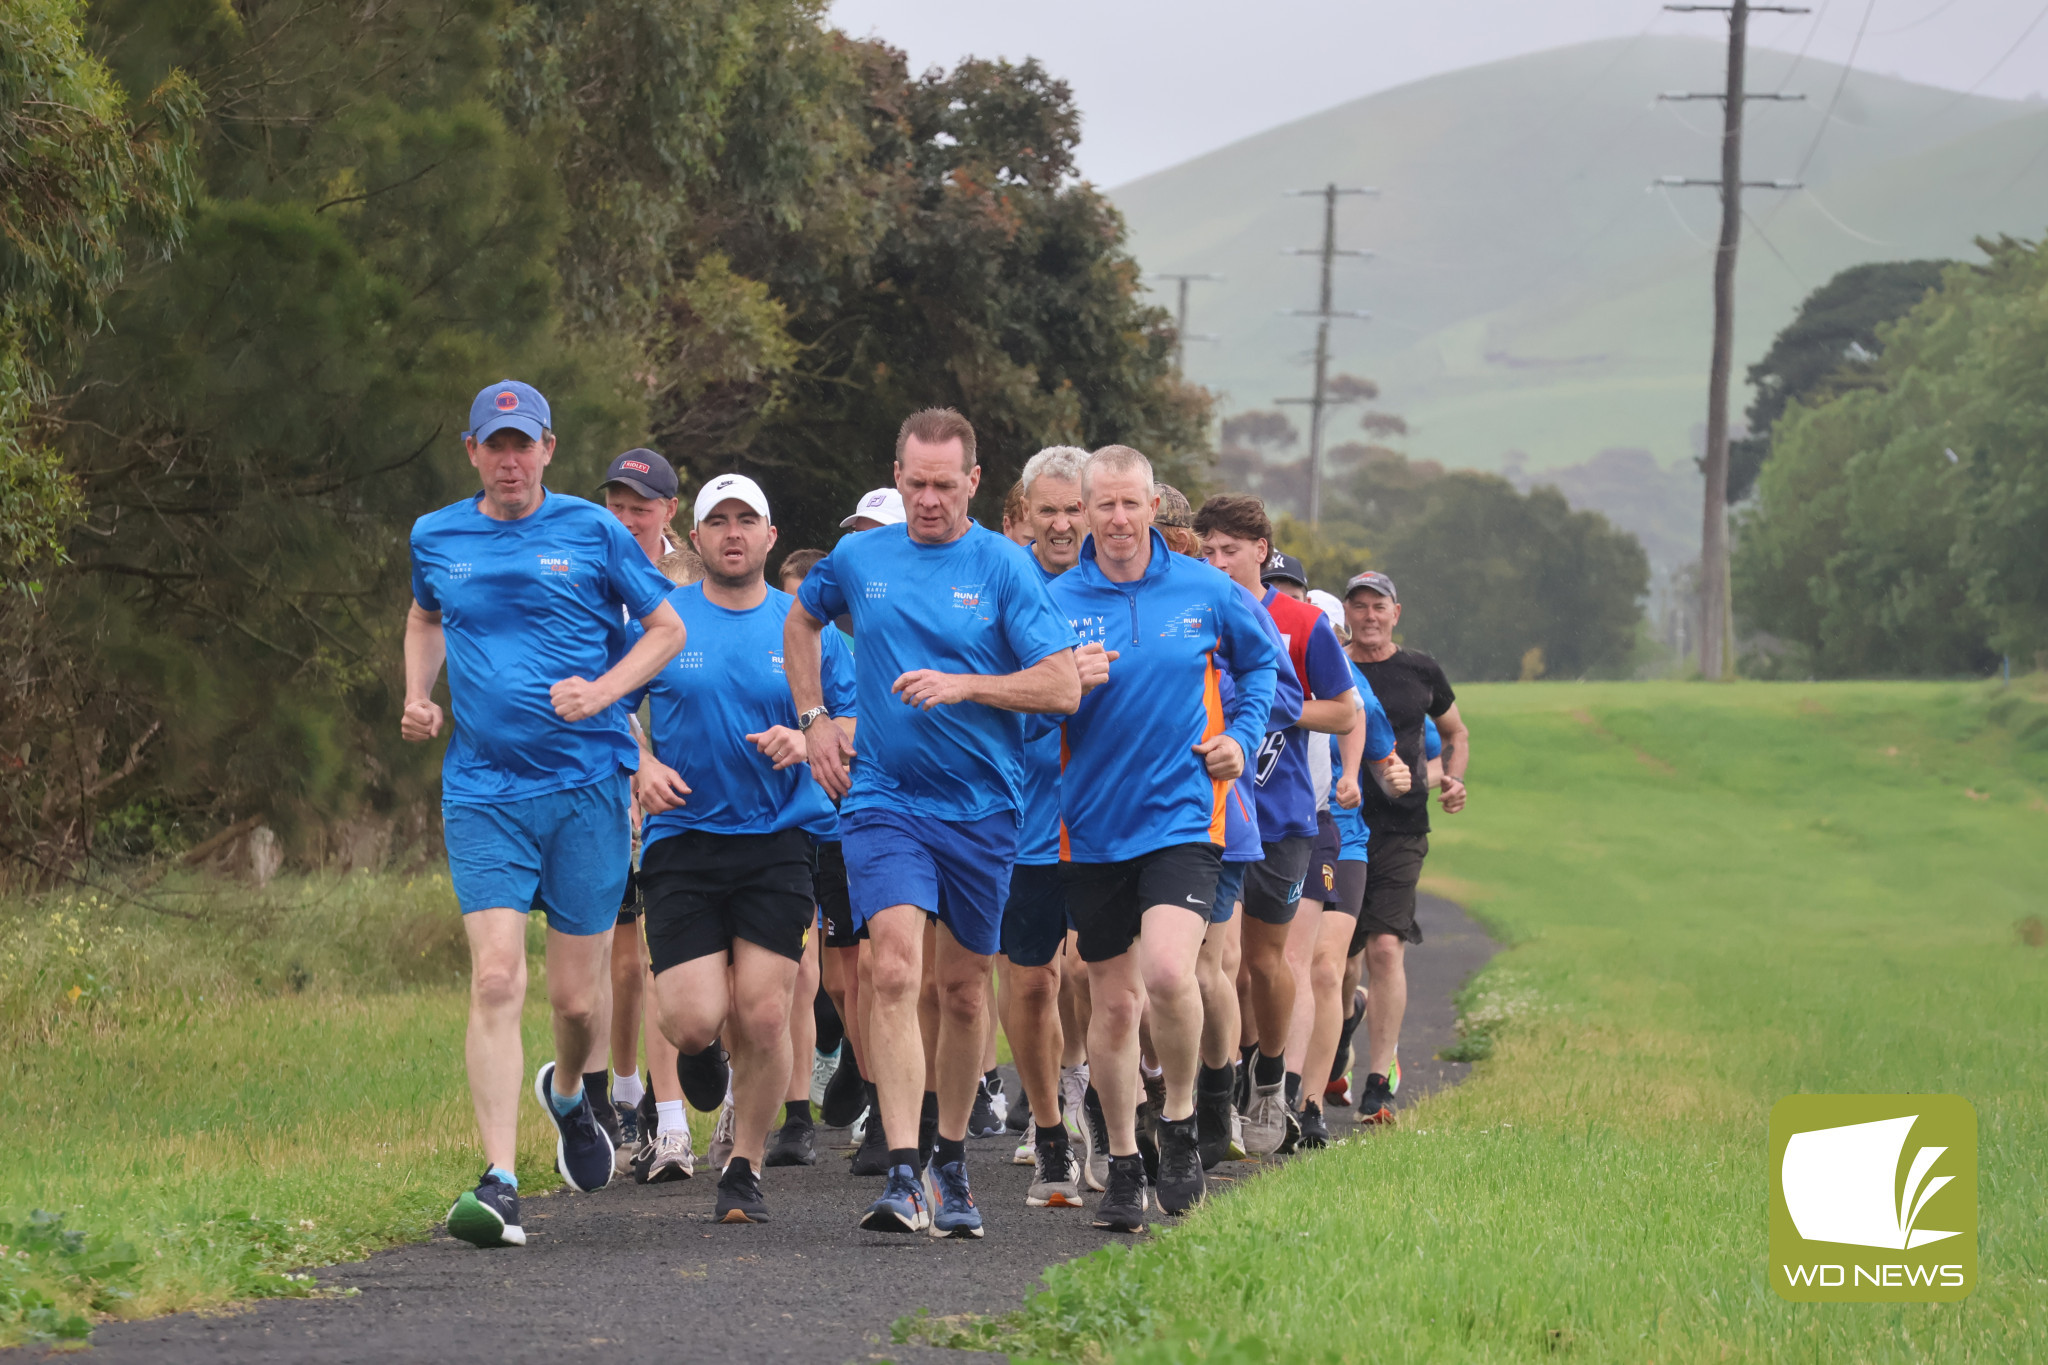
1409,686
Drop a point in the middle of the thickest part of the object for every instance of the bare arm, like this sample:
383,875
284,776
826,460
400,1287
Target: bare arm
1457,753
829,748
1350,757
661,639
426,649
1052,686
1336,716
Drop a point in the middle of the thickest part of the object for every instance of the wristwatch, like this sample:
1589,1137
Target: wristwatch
810,717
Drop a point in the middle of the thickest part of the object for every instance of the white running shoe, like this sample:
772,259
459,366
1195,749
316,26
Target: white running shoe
823,1064
720,1151
1026,1153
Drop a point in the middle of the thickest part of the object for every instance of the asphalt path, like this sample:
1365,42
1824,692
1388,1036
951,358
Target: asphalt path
637,1274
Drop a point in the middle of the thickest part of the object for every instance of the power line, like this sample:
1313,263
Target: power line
1934,13
2025,34
1829,112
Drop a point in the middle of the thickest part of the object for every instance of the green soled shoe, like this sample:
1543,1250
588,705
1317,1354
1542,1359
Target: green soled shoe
488,1216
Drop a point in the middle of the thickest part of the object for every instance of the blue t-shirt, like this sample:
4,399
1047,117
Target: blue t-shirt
1241,841
525,604
1287,795
1352,832
1038,838
973,605
727,684
1432,742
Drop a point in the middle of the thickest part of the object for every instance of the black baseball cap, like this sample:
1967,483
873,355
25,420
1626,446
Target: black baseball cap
645,472
1281,565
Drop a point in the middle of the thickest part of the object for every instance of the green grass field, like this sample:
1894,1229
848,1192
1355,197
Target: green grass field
1715,897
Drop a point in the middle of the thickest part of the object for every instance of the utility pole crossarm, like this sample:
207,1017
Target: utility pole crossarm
1723,94
1687,181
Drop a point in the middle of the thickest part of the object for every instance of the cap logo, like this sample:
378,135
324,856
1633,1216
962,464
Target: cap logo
507,401
636,466
1276,561
876,500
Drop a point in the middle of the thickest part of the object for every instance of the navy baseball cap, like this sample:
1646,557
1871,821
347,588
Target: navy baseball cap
1373,581
645,472
1280,565
508,403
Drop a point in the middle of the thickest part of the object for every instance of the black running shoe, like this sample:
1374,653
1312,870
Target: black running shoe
981,1120
595,1085
1212,1127
739,1194
1376,1100
1122,1207
488,1216
1315,1132
1180,1182
792,1145
583,1150
704,1077
872,1156
1148,1144
1018,1120
845,1094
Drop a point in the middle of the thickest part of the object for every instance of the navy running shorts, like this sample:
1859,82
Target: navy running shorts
1035,919
957,870
835,907
1320,884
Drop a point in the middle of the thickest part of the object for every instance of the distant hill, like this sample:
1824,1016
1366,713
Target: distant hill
1530,293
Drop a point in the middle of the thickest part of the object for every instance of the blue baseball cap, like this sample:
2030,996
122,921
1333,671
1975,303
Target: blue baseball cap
508,403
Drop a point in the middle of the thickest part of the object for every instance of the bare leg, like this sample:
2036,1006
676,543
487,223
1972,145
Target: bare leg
962,979
758,1036
1219,993
579,972
928,1005
1301,950
1073,1003
1326,984
1157,973
841,970
1272,985
988,1031
492,1050
1386,999
1031,996
893,964
628,976
661,1053
802,1024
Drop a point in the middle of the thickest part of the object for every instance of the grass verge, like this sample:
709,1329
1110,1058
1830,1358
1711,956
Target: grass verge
1715,897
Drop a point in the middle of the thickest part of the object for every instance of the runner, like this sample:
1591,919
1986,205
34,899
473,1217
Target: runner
883,507
1016,524
1151,754
1411,687
957,639
1035,923
640,490
1237,537
727,872
518,591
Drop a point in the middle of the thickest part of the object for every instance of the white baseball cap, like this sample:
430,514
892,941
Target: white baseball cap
1328,606
737,487
884,505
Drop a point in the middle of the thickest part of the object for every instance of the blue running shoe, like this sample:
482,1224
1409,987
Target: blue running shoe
583,1150
902,1206
955,1215
488,1216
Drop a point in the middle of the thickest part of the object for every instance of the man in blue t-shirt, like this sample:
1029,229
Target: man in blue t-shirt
1237,537
519,591
957,643
1151,755
726,877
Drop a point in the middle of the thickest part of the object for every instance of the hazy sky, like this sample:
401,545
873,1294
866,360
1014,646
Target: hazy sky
1159,81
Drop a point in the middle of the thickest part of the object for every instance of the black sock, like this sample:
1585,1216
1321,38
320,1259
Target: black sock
902,1156
1268,1070
1246,1053
826,1017
739,1166
1215,1080
1056,1135
797,1111
930,1109
949,1151
992,1080
598,1085
1293,1090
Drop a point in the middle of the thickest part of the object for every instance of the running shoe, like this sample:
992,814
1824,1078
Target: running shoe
1212,1126
793,1144
1237,1150
1315,1131
1155,1092
705,1077
1073,1115
846,1094
872,1156
1057,1182
1291,1143
902,1207
1097,1142
606,1113
583,1150
665,1157
1265,1121
1026,1154
1122,1208
824,1066
1180,1182
953,1211
1337,1094
1148,1143
983,1120
488,1216
739,1195
1376,1103
927,1129
629,1139
719,1153
1017,1117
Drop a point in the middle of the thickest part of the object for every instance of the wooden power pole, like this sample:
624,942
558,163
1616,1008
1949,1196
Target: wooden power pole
1181,335
1717,629
1318,401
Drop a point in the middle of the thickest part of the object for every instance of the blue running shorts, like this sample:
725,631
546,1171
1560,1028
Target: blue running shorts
958,870
1229,891
566,853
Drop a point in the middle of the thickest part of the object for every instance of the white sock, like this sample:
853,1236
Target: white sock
626,1088
1151,1072
668,1117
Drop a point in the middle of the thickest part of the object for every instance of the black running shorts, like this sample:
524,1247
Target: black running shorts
834,903
1272,887
705,890
1035,916
1321,882
1106,902
1393,867
1350,893
629,904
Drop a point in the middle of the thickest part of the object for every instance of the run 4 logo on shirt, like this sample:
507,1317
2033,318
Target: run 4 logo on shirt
960,762
525,604
730,684
1287,795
